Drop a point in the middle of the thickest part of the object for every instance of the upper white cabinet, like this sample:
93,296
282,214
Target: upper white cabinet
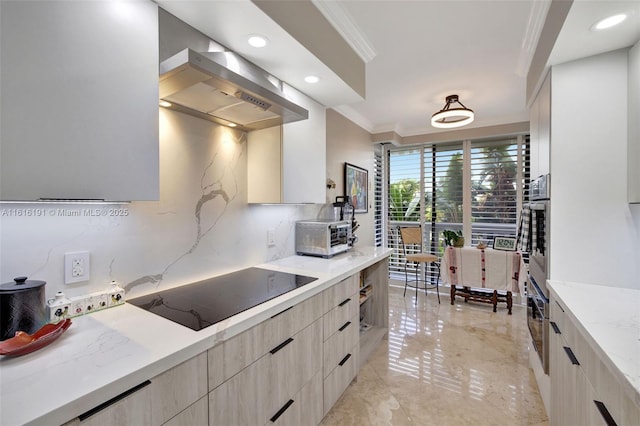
633,156
540,128
79,107
287,164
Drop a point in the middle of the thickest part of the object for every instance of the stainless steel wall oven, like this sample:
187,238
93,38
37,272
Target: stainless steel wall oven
538,322
538,248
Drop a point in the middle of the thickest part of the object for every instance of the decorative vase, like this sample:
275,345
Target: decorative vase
458,242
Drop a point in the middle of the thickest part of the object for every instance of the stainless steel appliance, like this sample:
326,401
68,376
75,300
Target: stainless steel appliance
538,250
225,88
538,322
539,232
207,302
347,212
322,237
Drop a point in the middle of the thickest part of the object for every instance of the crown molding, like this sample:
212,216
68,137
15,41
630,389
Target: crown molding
537,16
339,18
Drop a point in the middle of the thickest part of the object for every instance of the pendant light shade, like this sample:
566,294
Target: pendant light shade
449,118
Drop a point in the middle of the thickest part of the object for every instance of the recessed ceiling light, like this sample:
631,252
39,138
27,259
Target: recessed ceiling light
609,22
232,124
312,79
164,104
257,40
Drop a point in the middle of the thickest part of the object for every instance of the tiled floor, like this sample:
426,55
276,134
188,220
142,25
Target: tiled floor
445,365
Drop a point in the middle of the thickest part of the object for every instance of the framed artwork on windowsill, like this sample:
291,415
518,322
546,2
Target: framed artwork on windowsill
356,187
504,243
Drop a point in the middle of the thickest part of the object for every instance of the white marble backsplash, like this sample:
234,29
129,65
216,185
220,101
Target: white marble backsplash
202,225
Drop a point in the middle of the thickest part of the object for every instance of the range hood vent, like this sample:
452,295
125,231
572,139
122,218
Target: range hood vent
225,88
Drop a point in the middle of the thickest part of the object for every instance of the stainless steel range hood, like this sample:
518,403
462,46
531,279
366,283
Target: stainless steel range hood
225,88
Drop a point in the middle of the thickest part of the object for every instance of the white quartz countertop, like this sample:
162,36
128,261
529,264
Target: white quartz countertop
108,352
610,318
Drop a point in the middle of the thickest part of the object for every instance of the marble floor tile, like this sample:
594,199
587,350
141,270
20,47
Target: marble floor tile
445,364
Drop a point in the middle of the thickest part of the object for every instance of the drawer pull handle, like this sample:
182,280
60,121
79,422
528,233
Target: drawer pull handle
559,306
280,313
84,416
345,301
346,324
281,345
344,360
605,413
281,411
571,356
555,327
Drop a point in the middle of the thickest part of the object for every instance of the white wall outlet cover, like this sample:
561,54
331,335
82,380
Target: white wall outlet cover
77,267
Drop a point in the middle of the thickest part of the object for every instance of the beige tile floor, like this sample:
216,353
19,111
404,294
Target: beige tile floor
445,365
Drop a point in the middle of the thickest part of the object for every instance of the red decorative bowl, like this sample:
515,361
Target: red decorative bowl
24,343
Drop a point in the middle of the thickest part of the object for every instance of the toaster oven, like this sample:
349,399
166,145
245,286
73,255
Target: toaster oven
322,237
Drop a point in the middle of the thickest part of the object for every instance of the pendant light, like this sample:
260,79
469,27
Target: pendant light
449,118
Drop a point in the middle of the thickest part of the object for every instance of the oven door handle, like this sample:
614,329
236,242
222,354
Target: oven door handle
538,206
539,292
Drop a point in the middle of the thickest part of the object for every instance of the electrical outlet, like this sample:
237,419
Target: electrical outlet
77,267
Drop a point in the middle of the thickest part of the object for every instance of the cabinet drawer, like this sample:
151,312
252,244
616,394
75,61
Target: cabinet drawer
335,295
336,317
306,408
339,379
134,408
340,344
195,415
245,348
255,394
556,313
176,389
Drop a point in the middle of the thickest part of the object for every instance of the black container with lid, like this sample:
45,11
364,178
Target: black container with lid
22,307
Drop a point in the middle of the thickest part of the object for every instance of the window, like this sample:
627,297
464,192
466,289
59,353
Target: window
473,186
494,189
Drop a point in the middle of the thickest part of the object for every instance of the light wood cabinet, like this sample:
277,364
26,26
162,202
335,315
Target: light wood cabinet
132,407
176,389
374,312
583,390
235,354
540,130
261,390
79,101
339,378
156,401
287,370
195,415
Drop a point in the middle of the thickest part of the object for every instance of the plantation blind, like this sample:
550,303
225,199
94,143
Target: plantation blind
494,189
378,173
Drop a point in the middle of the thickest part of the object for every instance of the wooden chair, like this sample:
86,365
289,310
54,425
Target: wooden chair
411,238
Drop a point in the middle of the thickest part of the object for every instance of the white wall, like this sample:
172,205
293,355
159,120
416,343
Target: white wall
202,225
347,142
595,233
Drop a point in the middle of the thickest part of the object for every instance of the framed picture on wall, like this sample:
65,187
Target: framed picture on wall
356,187
504,243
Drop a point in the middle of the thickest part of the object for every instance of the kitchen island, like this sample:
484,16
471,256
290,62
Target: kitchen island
109,352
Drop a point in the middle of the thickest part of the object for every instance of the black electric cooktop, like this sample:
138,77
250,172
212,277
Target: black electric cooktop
207,302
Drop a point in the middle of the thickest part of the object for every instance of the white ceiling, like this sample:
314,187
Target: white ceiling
417,52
